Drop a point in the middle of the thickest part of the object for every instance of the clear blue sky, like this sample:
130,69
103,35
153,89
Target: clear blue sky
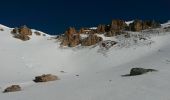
55,16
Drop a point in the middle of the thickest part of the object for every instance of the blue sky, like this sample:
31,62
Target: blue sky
55,16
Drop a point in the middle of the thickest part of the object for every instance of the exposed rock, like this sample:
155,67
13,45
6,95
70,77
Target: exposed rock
45,78
139,25
109,34
107,28
37,33
82,30
118,25
22,33
92,39
139,71
22,37
1,29
12,88
101,29
71,38
24,30
114,33
14,31
107,44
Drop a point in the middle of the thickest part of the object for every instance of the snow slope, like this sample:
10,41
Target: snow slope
99,74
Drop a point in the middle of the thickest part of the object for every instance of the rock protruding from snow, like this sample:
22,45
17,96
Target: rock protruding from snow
139,25
107,44
12,88
139,71
71,38
37,33
92,39
45,78
22,33
1,29
101,29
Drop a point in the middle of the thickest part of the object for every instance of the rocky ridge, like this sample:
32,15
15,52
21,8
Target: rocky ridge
72,37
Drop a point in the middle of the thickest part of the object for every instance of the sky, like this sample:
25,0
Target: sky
55,16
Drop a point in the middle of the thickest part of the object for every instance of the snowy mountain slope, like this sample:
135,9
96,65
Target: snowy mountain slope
98,76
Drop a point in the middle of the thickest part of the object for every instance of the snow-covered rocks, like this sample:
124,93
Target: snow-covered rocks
45,78
107,44
12,88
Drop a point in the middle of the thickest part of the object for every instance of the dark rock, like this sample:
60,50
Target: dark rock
101,29
12,88
107,44
1,29
137,25
37,33
138,71
45,78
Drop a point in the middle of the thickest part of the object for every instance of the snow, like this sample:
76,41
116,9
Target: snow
129,22
93,28
99,74
167,24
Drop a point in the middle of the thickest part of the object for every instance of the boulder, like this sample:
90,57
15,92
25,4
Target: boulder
45,78
92,39
12,88
140,71
1,29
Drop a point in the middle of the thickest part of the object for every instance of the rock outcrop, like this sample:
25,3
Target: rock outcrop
118,25
45,78
116,28
22,33
71,38
12,88
139,25
101,29
92,39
